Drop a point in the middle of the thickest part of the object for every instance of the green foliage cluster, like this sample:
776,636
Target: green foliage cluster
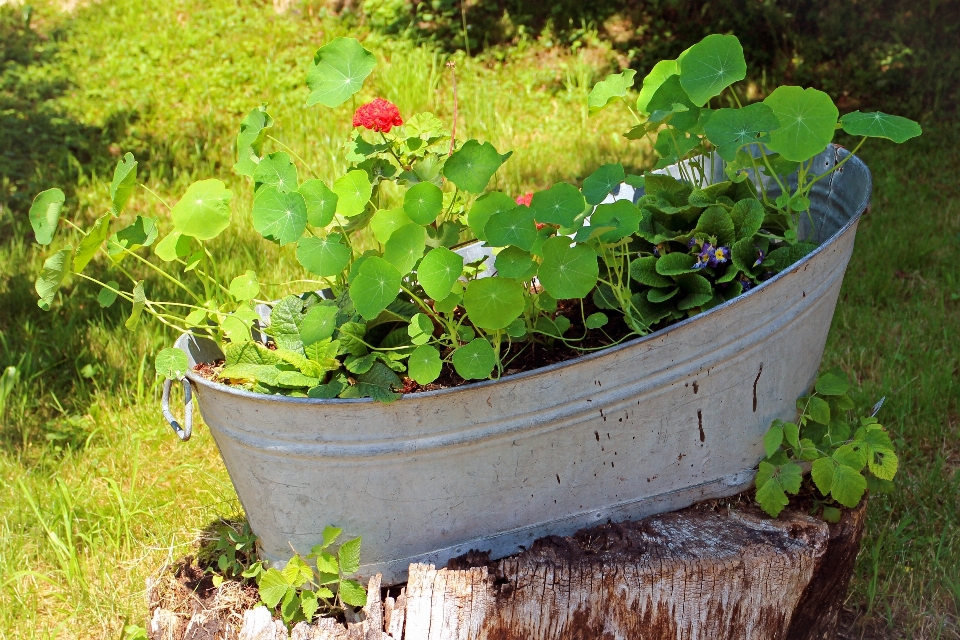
844,457
411,305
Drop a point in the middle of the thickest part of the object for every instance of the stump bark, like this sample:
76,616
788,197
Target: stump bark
705,573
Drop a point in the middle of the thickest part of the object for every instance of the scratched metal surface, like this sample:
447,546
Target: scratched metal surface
649,426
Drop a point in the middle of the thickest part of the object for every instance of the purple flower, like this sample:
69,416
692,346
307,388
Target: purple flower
719,255
692,242
746,282
760,256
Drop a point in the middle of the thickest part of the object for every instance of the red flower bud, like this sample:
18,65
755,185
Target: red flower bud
379,115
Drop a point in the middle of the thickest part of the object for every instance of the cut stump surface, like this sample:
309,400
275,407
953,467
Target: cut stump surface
704,573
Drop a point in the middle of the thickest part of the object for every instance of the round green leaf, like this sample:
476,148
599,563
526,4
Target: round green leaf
423,202
45,214
204,210
325,257
375,286
670,99
318,324
472,166
405,247
601,182
596,320
513,227
171,363
484,207
279,216
568,271
710,66
622,215
560,204
55,269
880,125
514,262
108,294
321,202
493,303
276,170
353,192
730,129
175,245
124,182
338,72
474,360
424,364
385,221
808,119
439,271
660,72
245,287
610,89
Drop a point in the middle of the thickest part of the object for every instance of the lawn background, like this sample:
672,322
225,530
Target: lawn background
96,493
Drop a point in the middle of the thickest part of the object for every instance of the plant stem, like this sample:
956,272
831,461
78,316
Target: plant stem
453,70
150,191
294,154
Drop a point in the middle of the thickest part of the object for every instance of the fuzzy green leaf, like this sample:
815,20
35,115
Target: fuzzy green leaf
338,72
715,222
285,320
747,216
644,271
675,264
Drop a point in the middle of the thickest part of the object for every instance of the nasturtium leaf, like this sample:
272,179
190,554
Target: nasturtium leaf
672,147
560,204
139,233
385,221
376,285
55,269
338,71
675,264
250,140
848,486
425,364
670,99
830,384
611,88
808,119
420,329
880,125
108,294
568,271
139,302
352,593
325,257
512,227
405,247
472,165
747,216
621,216
660,72
514,262
493,303
474,360
318,324
174,245
448,304
484,207
236,328
730,129
601,182
124,182
439,271
320,200
276,170
204,210
596,320
171,363
45,214
353,192
446,235
644,271
92,242
710,66
245,287
423,202
278,215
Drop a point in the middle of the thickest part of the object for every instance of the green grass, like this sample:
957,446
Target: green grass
97,494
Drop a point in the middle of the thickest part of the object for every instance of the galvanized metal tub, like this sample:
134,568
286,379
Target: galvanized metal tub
652,425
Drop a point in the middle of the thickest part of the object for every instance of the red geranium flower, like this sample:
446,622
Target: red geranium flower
525,199
379,115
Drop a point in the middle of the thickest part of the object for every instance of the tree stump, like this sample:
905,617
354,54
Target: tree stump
711,572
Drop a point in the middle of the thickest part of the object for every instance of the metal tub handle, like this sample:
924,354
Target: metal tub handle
186,430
